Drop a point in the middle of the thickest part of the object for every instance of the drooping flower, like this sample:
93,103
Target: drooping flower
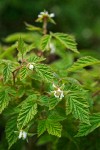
22,134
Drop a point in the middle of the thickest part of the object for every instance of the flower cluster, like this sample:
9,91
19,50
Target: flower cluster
58,93
22,134
46,14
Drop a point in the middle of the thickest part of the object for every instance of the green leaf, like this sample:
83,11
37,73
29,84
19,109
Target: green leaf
54,128
41,127
27,112
85,129
23,72
21,46
7,72
4,100
44,72
76,101
11,127
67,40
83,62
45,41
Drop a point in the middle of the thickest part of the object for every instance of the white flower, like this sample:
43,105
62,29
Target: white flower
30,66
58,93
46,14
22,134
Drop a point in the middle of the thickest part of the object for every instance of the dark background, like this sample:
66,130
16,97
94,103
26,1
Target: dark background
79,17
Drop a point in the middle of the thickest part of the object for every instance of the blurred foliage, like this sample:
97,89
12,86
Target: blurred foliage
79,17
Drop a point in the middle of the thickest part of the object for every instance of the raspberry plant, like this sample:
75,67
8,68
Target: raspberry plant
41,91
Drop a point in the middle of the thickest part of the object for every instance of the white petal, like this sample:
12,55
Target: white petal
20,134
57,96
52,15
59,90
39,16
42,13
54,85
31,66
24,135
62,95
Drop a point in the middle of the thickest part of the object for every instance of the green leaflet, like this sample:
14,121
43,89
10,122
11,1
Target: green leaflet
85,129
76,102
32,28
7,72
21,46
27,112
83,62
52,127
41,127
45,41
11,127
67,40
35,59
78,106
23,73
44,72
4,100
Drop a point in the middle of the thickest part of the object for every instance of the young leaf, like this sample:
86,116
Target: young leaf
7,72
11,127
67,40
41,127
85,129
54,128
83,62
45,41
28,111
32,28
4,100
